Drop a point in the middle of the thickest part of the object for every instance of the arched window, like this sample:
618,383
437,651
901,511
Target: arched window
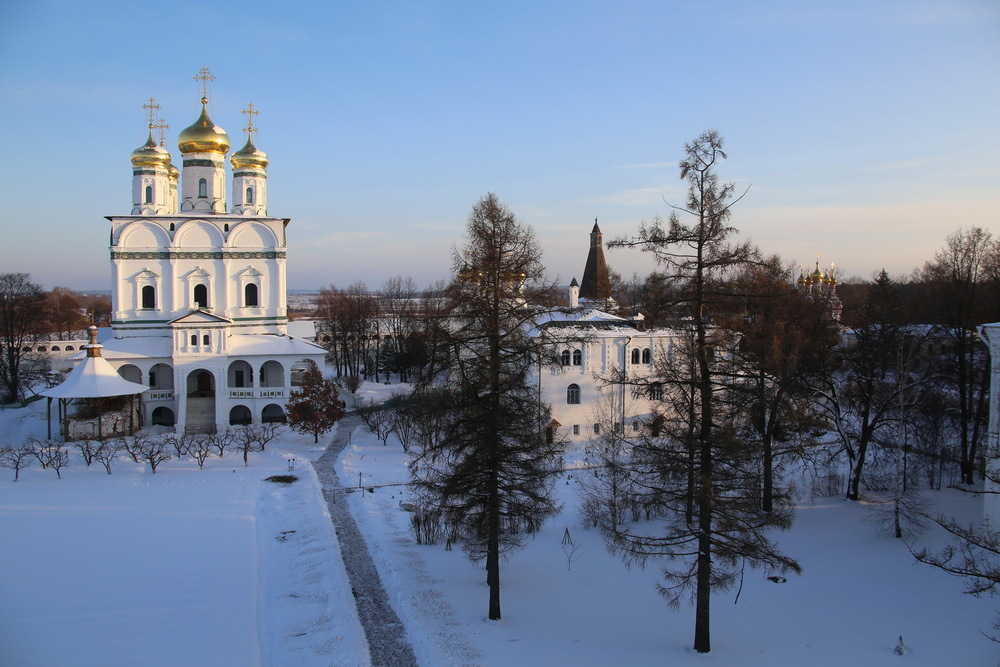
225,227
148,296
249,196
171,226
577,358
573,394
656,392
250,296
646,355
205,340
201,296
635,356
194,339
202,188
149,195
564,358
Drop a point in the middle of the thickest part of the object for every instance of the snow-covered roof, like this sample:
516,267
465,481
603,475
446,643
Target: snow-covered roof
270,345
94,377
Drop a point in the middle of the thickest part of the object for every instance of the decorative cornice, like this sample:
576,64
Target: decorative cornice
203,163
255,174
212,254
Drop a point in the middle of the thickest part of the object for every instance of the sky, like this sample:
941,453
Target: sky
866,132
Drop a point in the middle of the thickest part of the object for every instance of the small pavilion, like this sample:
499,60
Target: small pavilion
101,394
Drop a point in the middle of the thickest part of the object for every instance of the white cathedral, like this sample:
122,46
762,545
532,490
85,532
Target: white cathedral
198,286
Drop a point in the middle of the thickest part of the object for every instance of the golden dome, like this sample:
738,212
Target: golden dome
150,154
817,274
173,172
204,136
249,156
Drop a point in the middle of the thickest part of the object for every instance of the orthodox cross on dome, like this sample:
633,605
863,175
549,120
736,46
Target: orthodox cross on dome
250,112
204,75
151,108
161,126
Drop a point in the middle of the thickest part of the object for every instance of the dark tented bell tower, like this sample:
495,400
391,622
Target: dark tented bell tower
596,285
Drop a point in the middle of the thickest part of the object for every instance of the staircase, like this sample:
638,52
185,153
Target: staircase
200,416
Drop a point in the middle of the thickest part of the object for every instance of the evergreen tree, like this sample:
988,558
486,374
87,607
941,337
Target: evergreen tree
488,467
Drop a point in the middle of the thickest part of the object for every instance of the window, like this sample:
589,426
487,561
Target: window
577,357
148,296
225,227
646,356
576,429
201,296
550,435
204,340
635,426
152,379
149,195
202,188
249,195
635,356
573,394
564,358
656,392
250,296
597,428
194,339
238,379
171,226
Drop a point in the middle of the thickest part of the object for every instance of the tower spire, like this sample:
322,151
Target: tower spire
204,75
151,108
161,126
251,127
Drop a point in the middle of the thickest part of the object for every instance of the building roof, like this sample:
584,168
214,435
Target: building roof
94,377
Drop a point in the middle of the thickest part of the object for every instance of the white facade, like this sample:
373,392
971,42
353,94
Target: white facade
198,289
590,348
990,333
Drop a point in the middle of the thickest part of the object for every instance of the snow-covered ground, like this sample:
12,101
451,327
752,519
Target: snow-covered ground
218,567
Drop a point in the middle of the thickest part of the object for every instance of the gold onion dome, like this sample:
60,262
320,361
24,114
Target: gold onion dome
173,172
249,156
203,136
150,154
817,274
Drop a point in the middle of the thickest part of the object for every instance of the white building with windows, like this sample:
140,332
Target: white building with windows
198,285
591,347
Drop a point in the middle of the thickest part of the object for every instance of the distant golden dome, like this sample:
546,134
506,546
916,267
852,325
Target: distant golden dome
817,274
204,136
173,172
249,156
150,154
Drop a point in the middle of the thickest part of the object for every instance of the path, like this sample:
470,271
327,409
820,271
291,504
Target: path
387,640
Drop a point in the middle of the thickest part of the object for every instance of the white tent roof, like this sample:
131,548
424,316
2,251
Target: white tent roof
94,377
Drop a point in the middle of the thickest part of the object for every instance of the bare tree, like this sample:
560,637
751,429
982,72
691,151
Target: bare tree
16,457
199,447
377,420
105,452
154,451
22,316
705,460
966,293
50,453
220,440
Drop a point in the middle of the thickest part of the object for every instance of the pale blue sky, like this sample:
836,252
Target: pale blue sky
868,130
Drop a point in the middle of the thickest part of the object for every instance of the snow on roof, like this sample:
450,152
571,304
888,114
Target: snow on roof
94,377
264,344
